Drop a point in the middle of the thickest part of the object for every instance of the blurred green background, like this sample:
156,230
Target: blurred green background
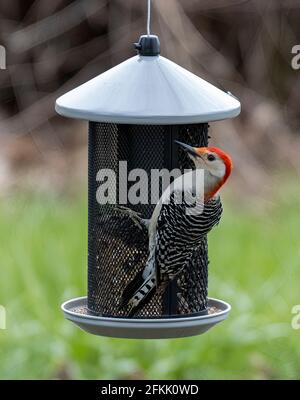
243,46
254,266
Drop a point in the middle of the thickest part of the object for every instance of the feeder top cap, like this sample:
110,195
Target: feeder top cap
148,90
148,45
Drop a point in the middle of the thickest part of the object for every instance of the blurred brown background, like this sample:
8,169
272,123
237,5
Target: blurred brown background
240,46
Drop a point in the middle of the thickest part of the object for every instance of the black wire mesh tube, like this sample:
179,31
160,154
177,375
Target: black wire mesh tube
117,249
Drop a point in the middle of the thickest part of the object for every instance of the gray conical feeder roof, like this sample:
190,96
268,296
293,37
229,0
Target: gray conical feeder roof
148,90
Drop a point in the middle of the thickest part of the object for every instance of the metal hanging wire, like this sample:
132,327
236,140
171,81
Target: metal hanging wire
149,18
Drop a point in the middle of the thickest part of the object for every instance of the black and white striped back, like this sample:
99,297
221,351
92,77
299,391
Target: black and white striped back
180,232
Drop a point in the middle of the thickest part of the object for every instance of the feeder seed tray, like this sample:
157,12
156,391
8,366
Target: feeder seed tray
141,328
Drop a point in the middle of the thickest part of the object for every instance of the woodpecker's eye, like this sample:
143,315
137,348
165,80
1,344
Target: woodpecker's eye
211,157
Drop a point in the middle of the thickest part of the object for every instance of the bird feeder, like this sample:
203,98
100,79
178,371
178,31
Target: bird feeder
135,112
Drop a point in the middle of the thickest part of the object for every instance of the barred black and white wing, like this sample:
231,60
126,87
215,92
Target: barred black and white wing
180,230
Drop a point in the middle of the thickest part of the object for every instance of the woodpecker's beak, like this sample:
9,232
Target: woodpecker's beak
189,149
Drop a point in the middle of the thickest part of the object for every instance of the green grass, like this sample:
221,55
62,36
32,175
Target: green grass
254,266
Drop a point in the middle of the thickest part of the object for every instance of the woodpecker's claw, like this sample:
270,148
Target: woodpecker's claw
133,215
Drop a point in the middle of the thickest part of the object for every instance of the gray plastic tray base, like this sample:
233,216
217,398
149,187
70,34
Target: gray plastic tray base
76,311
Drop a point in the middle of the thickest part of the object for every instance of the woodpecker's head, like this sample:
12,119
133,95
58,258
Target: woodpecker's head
215,162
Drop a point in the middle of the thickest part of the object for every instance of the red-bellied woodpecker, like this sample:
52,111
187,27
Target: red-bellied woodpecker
175,229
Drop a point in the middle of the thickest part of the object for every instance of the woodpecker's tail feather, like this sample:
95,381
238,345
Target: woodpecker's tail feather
130,289
137,293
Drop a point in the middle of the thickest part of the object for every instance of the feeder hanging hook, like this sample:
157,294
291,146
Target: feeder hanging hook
149,18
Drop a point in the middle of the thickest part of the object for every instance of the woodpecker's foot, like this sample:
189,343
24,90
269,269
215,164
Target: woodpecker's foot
134,216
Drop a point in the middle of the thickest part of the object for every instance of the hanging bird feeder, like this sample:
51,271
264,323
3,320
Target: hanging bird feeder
136,111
